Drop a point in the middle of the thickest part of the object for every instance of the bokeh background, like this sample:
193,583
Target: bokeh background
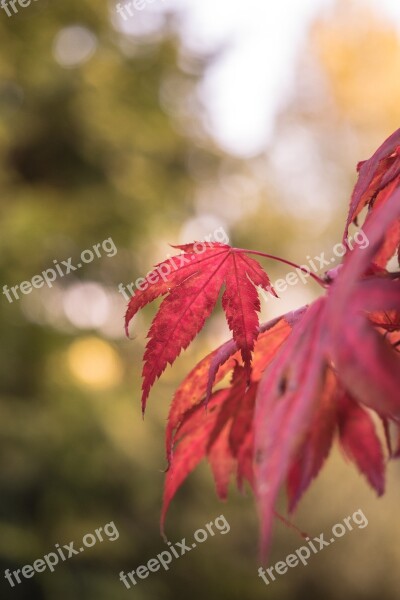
189,116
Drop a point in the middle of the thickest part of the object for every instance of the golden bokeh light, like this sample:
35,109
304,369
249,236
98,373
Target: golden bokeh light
94,363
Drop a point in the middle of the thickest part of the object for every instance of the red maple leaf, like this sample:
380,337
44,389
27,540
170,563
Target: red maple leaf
298,382
375,177
192,291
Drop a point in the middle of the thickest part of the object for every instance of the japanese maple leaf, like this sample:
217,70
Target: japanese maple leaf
200,431
223,435
287,400
196,389
298,382
378,178
336,334
360,442
366,360
192,289
375,175
337,414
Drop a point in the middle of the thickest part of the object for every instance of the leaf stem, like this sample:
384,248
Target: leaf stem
286,262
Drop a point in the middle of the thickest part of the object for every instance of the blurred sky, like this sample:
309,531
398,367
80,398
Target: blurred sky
242,98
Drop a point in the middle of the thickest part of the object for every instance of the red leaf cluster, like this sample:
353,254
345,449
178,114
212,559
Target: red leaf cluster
296,383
